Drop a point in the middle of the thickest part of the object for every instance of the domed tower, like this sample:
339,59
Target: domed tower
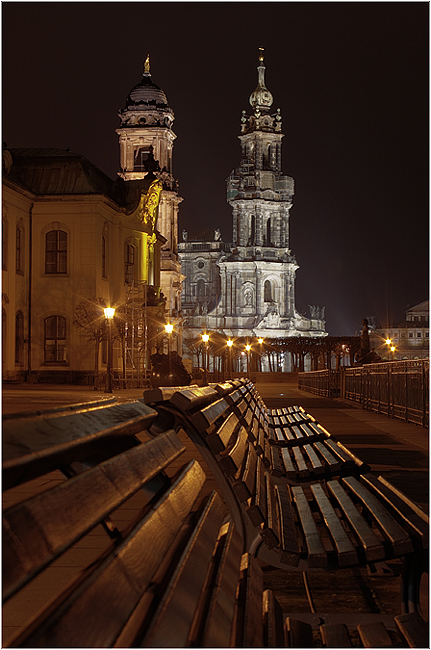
146,130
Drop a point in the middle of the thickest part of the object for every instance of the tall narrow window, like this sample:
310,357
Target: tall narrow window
55,339
267,291
129,260
56,251
19,337
268,232
104,274
19,240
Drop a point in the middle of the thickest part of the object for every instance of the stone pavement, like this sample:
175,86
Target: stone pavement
394,449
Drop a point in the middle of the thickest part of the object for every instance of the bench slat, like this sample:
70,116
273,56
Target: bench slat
335,636
249,620
257,508
219,439
403,506
273,628
288,542
374,635
171,624
316,553
414,629
232,461
345,549
370,543
314,460
288,463
333,463
244,481
221,610
300,462
271,533
34,447
117,583
398,537
298,634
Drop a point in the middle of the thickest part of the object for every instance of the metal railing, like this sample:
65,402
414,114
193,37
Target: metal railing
399,389
325,383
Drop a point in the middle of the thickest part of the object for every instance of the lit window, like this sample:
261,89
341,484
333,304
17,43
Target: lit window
19,337
56,251
55,339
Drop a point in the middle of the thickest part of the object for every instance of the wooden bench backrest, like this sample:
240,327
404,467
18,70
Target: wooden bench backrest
168,576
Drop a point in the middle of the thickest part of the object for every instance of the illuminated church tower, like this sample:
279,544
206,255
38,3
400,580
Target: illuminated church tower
146,133
247,288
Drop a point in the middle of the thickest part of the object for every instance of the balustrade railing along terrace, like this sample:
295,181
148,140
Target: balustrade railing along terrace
398,389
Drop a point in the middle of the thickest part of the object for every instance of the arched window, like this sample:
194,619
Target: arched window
19,241
19,337
56,251
129,261
55,339
267,291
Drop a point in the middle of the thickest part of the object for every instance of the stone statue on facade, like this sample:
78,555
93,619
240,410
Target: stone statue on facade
217,234
185,235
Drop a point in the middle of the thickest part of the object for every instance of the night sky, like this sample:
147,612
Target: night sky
351,80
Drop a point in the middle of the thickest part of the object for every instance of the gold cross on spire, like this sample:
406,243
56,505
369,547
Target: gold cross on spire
261,51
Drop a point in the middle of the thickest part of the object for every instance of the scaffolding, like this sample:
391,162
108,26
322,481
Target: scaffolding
136,357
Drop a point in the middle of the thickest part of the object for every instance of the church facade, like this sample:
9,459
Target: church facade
246,288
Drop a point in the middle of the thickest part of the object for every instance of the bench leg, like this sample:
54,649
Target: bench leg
415,564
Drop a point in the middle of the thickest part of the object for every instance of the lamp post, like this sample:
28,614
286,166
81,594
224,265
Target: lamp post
109,316
169,328
260,341
229,344
248,348
205,339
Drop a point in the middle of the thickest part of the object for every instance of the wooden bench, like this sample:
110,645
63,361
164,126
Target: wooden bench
320,520
111,538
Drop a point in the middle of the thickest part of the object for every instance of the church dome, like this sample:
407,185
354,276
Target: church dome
146,94
261,97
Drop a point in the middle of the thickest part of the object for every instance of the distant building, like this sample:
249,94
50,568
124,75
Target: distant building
247,288
70,234
409,337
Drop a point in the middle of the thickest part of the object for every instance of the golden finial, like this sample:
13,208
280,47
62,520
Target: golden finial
147,64
261,51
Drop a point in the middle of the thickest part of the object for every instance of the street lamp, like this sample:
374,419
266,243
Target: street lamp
389,344
109,316
248,348
393,348
229,344
205,339
169,328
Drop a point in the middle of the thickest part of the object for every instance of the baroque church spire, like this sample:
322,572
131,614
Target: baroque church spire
261,98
